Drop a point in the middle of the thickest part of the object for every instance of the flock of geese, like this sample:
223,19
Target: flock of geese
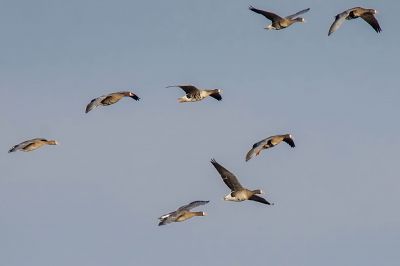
279,22
192,94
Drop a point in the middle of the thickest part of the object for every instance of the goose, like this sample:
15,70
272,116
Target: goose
353,13
183,213
278,22
238,193
32,144
269,143
194,94
110,99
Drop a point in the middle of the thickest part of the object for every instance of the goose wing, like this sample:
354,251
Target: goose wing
229,179
298,13
260,199
339,19
193,204
167,218
257,147
216,96
95,102
371,20
24,144
289,140
187,88
269,15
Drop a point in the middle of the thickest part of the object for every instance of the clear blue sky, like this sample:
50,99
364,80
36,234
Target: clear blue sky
94,200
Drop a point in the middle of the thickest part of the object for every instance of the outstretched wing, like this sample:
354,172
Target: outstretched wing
167,218
289,141
24,144
94,103
260,199
371,20
339,19
216,96
269,15
187,88
229,178
193,204
298,13
257,148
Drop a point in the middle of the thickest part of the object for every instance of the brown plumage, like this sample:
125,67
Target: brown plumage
353,13
32,144
238,192
279,22
110,99
183,213
269,143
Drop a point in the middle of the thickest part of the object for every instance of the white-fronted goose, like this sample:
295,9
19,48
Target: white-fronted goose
238,193
110,99
269,143
278,22
32,144
194,94
183,213
353,13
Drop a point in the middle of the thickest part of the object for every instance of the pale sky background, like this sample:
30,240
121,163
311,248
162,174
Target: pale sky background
94,200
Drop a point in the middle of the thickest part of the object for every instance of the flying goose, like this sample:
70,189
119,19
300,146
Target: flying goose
278,22
183,213
269,143
194,94
238,193
353,13
110,99
32,144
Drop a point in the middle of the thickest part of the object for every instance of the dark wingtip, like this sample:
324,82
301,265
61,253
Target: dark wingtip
162,222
